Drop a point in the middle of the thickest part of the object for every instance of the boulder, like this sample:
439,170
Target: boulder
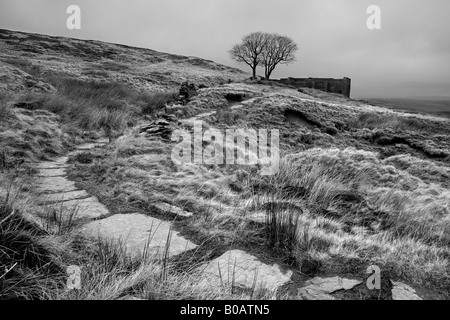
401,291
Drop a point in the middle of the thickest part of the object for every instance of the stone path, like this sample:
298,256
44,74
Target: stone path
59,193
143,235
197,117
137,232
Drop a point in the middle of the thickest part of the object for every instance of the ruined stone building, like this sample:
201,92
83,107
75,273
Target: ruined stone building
341,86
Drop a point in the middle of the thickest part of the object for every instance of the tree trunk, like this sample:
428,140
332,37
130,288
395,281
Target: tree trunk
254,72
269,73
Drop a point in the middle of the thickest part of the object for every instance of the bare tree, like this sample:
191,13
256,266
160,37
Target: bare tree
250,50
277,50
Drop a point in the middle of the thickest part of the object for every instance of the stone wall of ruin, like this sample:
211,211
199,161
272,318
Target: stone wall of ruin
340,86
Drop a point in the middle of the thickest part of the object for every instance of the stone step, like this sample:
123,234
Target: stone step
244,270
63,196
139,234
321,288
55,164
58,172
401,291
56,185
89,208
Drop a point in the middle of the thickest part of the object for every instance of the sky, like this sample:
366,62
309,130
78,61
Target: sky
409,57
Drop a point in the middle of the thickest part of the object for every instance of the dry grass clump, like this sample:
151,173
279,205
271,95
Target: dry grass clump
96,73
92,105
29,257
26,136
153,102
25,64
373,120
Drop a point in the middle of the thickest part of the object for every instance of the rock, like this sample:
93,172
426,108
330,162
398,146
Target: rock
313,293
244,270
89,208
187,91
331,285
49,165
139,234
162,122
160,127
165,208
63,196
320,288
58,172
170,117
57,163
56,185
401,291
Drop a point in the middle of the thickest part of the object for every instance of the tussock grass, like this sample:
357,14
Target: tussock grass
5,110
93,105
25,64
372,120
26,136
282,227
153,102
360,208
28,267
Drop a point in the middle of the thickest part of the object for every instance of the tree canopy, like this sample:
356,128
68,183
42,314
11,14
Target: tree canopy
265,49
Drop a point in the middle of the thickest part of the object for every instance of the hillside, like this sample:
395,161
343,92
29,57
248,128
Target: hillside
437,106
358,185
144,69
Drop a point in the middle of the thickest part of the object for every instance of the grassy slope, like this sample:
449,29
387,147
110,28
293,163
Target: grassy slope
364,185
371,186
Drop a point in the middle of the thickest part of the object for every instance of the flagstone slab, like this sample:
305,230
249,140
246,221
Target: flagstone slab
63,196
320,288
244,270
89,208
55,164
57,172
313,293
56,185
140,234
401,291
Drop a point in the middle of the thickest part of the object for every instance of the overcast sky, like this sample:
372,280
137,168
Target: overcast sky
409,56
